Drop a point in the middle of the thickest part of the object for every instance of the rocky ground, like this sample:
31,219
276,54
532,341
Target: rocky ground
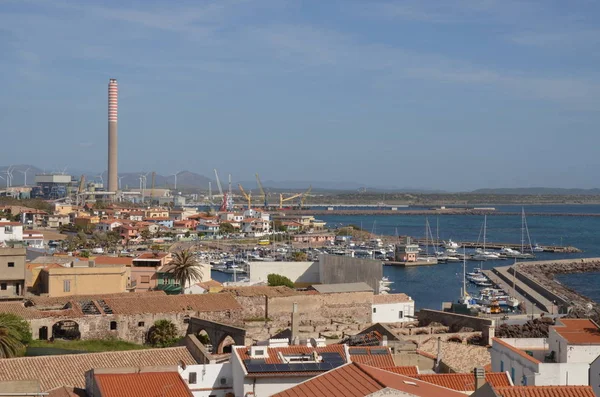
544,273
538,328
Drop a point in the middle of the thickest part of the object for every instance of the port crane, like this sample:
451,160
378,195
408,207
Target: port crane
305,196
285,199
227,203
247,196
262,192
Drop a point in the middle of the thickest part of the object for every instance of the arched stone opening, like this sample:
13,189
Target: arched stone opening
66,329
204,338
225,345
456,339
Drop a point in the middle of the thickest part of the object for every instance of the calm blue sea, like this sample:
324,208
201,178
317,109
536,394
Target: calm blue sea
432,285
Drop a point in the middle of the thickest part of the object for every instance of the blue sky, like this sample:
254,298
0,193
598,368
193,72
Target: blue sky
441,94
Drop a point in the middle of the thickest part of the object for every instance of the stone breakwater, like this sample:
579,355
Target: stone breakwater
545,272
378,211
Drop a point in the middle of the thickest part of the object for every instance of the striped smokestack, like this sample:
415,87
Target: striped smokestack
113,94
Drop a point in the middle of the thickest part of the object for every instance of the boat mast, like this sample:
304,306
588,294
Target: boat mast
464,272
484,231
522,230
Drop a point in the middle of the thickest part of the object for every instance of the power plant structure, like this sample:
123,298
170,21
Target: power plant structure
113,95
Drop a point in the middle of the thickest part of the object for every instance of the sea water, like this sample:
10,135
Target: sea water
429,286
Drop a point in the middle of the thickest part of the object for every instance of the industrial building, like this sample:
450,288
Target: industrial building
52,186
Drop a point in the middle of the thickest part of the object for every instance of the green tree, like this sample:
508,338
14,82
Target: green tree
226,228
145,234
299,256
279,226
187,234
276,280
184,268
163,334
14,335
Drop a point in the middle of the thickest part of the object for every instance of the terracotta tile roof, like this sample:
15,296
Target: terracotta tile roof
29,313
465,382
69,369
44,301
11,224
142,385
358,380
31,266
545,391
515,350
261,291
391,298
113,260
408,371
209,284
579,331
67,391
374,360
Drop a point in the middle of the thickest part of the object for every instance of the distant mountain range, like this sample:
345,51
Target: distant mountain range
188,179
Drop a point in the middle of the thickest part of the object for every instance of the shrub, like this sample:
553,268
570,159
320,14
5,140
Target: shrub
276,280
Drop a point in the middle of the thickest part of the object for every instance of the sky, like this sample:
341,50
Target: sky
438,94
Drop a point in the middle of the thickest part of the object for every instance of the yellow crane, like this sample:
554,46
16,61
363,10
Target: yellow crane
247,196
304,196
262,192
284,199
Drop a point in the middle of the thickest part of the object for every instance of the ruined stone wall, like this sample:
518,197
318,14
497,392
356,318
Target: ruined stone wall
323,308
253,306
132,328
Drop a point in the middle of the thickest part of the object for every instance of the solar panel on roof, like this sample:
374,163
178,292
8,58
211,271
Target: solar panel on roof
332,357
336,364
311,366
379,351
358,351
282,367
296,367
325,366
254,368
269,367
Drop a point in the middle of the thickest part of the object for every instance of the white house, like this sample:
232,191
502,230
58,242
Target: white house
255,225
564,358
34,239
208,380
107,225
392,308
10,231
208,228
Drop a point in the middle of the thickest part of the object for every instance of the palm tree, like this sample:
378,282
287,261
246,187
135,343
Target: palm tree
185,269
14,333
162,334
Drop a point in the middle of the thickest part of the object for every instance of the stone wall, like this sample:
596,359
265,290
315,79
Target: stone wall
457,321
132,328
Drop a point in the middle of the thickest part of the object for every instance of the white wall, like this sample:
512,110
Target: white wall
556,374
208,379
239,373
15,235
301,272
390,312
595,376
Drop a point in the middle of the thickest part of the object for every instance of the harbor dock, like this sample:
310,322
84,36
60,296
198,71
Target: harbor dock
497,246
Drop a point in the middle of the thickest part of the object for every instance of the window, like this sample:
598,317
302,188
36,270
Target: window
374,310
512,373
259,352
8,229
11,264
501,366
223,381
67,286
145,279
113,325
400,314
192,378
141,324
524,380
3,286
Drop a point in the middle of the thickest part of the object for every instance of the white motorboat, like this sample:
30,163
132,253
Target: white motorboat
509,251
476,272
386,281
383,288
537,248
451,245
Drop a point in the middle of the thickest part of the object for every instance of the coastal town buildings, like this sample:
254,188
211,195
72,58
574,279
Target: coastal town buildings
12,272
568,356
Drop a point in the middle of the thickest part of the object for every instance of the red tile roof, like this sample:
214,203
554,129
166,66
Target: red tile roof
165,384
113,260
579,331
408,371
514,349
69,369
374,360
358,380
152,255
465,382
545,391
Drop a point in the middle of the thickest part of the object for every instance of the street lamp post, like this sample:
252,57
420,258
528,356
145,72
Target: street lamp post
532,309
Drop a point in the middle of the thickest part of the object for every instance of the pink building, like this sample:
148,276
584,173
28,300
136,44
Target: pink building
144,271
